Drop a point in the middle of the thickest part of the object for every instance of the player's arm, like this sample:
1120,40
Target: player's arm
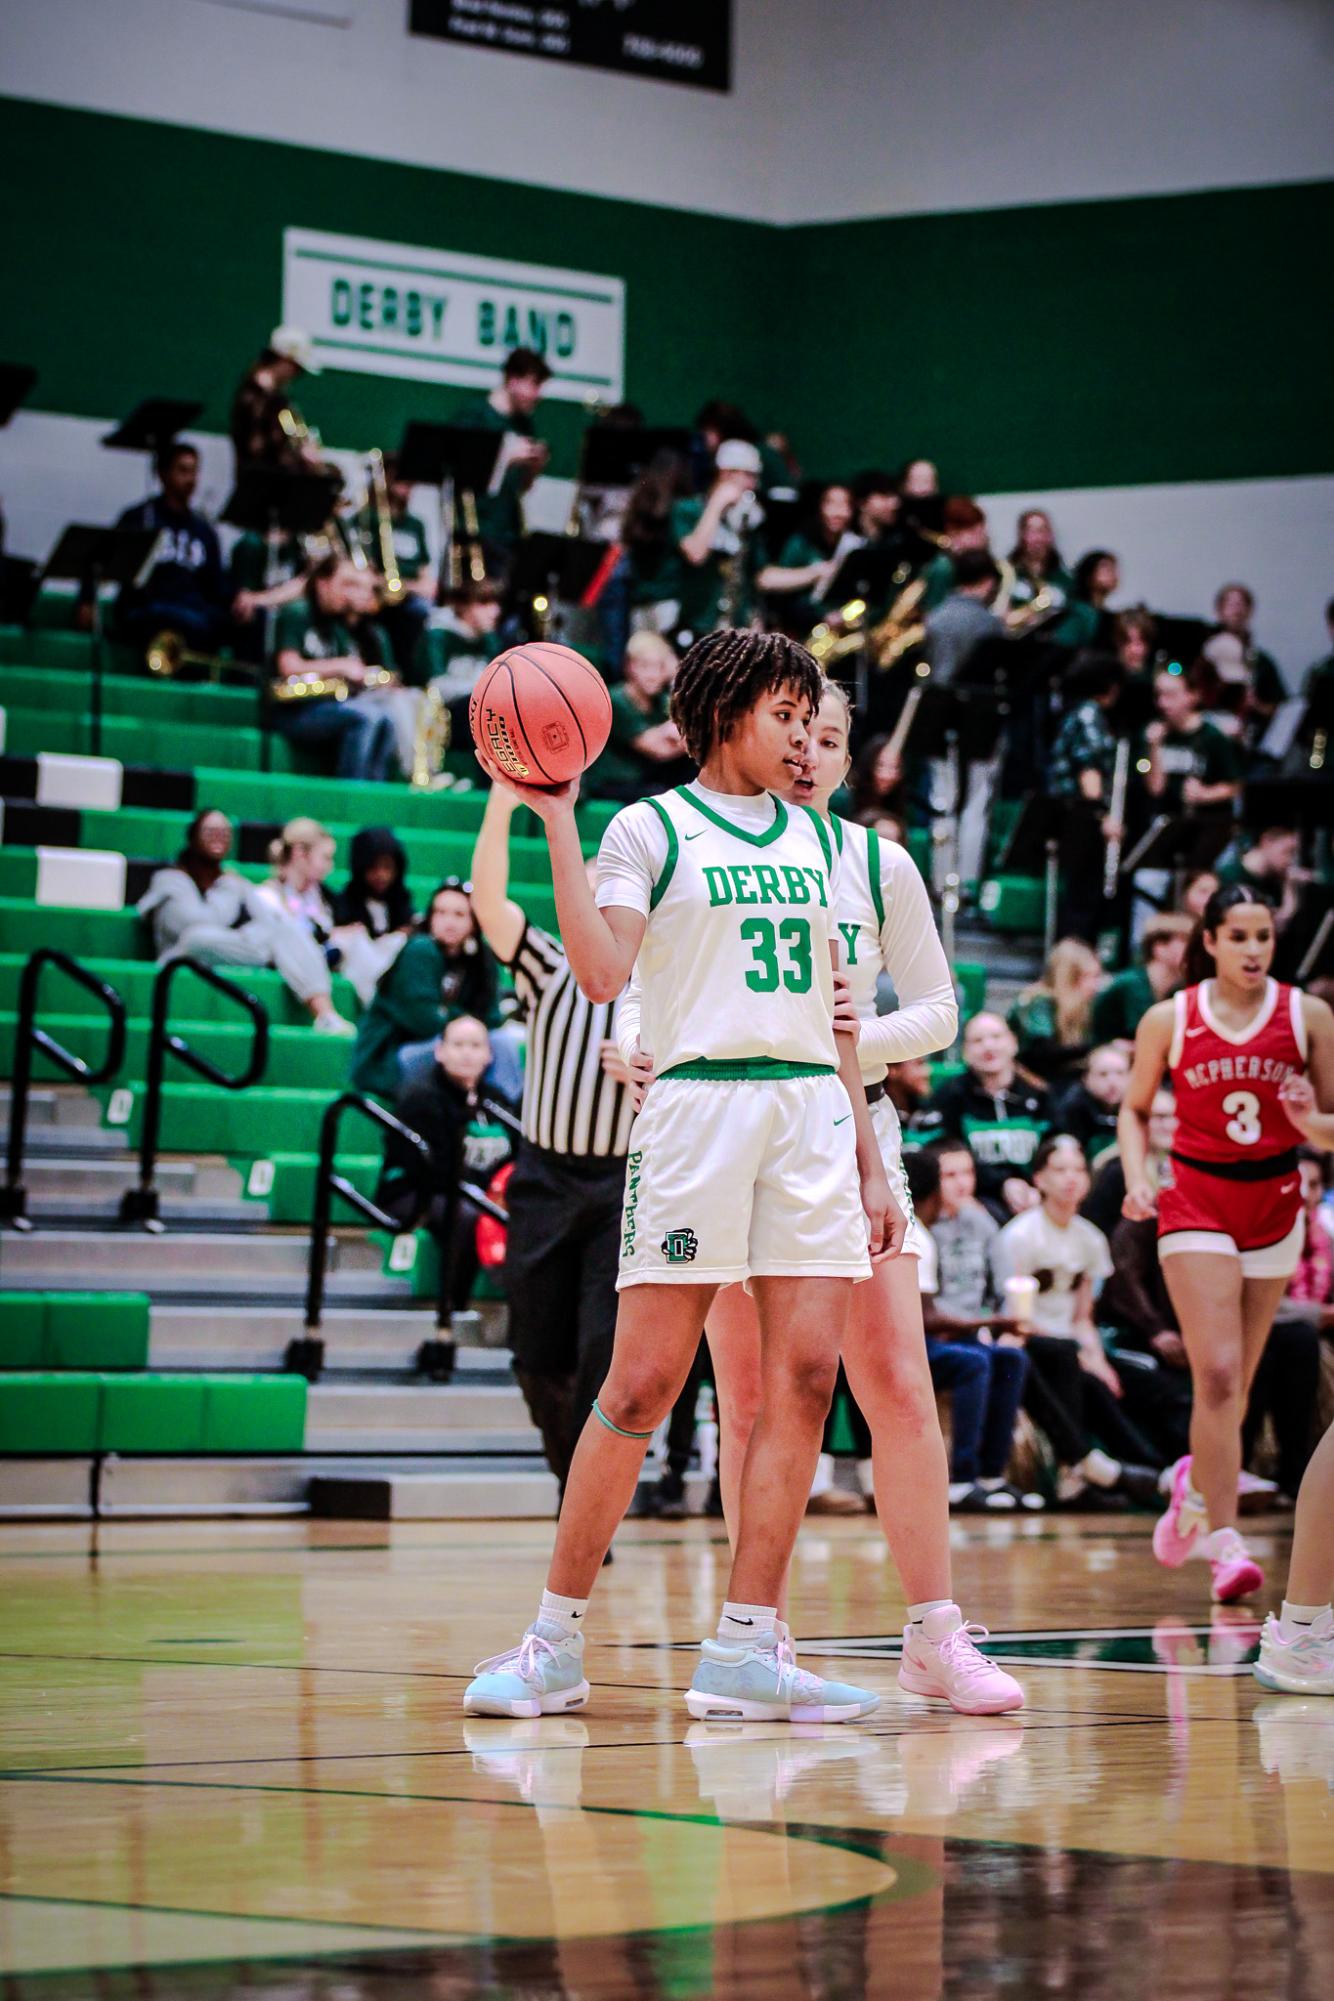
888,1223
927,1016
1309,1100
501,919
1153,1041
601,945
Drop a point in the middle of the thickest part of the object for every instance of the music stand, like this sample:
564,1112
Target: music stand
91,557
615,455
460,460
152,424
17,382
553,570
1034,848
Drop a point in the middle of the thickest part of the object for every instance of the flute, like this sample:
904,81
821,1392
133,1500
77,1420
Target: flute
1111,867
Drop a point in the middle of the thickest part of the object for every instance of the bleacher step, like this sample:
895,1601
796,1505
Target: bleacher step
187,1259
462,1416
483,1492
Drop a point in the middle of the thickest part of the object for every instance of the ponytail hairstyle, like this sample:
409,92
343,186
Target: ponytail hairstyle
1199,961
299,833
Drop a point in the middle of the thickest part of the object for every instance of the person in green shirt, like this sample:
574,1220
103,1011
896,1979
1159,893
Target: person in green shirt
1192,765
808,559
1039,570
404,614
716,543
457,644
314,637
1122,1004
964,527
510,410
445,969
644,752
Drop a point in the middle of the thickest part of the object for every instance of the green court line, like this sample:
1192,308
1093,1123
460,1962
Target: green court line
188,1911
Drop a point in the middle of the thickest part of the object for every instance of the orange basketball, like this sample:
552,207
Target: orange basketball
541,712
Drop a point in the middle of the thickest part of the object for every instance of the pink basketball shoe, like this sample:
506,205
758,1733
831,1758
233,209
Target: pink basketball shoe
941,1659
1236,1572
1177,1532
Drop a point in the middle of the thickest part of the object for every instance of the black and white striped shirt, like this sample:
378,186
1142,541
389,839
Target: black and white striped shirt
570,1104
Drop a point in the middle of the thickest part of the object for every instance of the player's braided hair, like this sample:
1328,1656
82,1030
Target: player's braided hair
725,673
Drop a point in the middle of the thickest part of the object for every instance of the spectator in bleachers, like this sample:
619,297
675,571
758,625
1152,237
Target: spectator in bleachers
999,1113
1312,1284
372,912
261,427
1087,1108
1198,887
648,577
457,644
1052,1019
302,858
965,527
644,753
808,559
983,1376
444,1103
1192,765
185,592
314,638
876,783
1121,1005
908,1087
1073,1391
266,572
963,620
1268,864
717,544
444,969
1080,773
404,616
201,909
1037,562
1134,638
510,408
1102,1205
1237,675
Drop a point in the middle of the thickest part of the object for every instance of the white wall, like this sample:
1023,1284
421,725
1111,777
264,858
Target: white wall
1177,544
840,108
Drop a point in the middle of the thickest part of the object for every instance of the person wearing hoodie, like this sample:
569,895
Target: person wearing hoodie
200,909
444,969
373,914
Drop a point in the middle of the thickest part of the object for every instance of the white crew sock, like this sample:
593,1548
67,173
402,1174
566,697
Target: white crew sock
1215,1545
824,1474
565,1614
1294,1620
742,1625
866,1477
991,1486
916,1613
958,1488
1099,1469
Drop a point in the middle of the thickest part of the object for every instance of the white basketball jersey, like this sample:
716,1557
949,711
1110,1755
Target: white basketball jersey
863,859
735,965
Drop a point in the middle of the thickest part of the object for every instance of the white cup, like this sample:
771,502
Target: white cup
1021,1296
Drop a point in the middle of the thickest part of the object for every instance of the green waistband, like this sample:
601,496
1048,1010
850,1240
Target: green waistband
746,1069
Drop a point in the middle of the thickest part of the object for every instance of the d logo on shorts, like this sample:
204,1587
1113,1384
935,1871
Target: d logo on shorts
680,1247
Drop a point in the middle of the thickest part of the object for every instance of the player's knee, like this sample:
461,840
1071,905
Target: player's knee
638,1401
809,1382
1218,1382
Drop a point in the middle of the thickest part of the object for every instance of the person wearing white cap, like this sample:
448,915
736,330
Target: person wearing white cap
262,401
715,538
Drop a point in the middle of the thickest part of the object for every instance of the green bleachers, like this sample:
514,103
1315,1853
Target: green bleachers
194,1000
82,1412
296,1057
66,694
73,1330
245,1125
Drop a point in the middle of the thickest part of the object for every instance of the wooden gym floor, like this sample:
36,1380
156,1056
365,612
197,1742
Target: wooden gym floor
234,1763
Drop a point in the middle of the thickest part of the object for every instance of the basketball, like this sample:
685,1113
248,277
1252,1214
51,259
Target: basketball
542,712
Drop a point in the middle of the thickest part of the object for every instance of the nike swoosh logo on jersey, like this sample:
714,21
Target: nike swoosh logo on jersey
1193,1031
844,1120
1289,1187
695,837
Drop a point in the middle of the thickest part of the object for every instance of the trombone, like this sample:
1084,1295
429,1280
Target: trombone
378,499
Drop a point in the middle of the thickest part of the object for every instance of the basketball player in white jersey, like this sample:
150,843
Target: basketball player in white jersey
885,925
745,1163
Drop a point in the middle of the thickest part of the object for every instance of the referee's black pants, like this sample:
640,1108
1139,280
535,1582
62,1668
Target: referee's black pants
560,1280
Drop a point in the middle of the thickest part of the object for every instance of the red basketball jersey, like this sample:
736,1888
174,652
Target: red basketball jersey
1227,1085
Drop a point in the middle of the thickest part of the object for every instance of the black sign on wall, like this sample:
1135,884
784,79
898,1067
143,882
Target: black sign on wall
674,41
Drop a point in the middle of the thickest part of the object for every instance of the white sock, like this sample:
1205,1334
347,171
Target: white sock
742,1625
916,1613
824,1474
866,1477
991,1486
567,1614
1215,1545
1294,1620
958,1488
1098,1469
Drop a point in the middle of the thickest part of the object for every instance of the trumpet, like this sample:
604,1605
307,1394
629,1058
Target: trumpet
317,687
834,639
167,653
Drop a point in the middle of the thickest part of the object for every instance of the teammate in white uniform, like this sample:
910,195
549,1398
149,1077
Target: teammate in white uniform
745,1164
885,925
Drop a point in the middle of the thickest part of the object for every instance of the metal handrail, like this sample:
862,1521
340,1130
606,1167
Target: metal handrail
141,1204
329,1182
13,1196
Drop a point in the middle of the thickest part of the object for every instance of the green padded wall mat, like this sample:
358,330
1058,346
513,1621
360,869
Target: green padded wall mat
97,1330
255,1414
153,1414
45,1413
22,1330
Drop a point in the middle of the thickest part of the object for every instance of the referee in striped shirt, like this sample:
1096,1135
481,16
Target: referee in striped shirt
568,1184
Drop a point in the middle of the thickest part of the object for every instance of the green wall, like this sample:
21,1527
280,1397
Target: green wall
1076,344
